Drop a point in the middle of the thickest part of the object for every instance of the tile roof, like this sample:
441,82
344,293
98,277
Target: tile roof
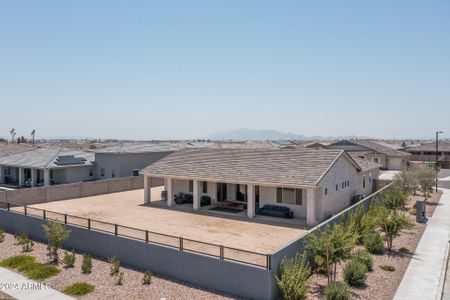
364,164
284,167
374,146
430,147
12,148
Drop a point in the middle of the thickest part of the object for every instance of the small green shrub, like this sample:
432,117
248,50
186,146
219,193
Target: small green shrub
86,266
294,277
387,268
119,278
2,235
69,259
38,271
404,250
14,262
355,273
374,243
337,291
363,256
114,268
147,278
79,289
27,245
19,237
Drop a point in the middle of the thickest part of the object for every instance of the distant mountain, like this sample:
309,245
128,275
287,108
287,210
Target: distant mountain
244,134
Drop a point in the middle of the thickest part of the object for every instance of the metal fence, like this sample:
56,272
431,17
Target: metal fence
182,244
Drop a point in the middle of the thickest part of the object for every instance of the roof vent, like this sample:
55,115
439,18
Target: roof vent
64,160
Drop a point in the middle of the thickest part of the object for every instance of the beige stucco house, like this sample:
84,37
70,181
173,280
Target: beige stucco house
314,184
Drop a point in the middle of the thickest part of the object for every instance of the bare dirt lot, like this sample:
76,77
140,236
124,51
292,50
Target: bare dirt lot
126,208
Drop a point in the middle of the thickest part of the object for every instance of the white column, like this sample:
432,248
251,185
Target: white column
311,207
46,177
169,192
147,189
1,175
33,177
20,177
196,195
250,200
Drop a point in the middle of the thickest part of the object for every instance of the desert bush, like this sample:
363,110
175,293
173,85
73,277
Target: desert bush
294,276
355,273
363,256
69,259
373,243
27,244
56,234
79,289
114,268
14,262
337,291
391,223
28,265
394,197
147,278
86,265
2,234
119,278
387,268
19,237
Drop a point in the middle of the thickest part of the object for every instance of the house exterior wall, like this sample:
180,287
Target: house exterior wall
396,163
268,195
72,174
123,164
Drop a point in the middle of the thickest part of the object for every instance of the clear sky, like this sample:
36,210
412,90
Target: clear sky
183,69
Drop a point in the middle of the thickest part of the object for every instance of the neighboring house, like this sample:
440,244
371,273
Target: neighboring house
314,184
46,166
426,153
387,157
13,148
316,145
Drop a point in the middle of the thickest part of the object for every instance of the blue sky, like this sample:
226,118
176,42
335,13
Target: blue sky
183,69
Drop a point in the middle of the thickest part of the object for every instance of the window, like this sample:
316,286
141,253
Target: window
326,191
364,182
290,196
191,186
376,160
113,175
205,187
90,172
343,185
337,187
51,174
102,172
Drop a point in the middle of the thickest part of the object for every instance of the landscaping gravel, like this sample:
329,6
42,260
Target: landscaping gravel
105,287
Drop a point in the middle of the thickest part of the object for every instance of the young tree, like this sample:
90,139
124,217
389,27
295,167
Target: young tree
294,277
391,223
394,197
426,178
56,234
407,179
330,246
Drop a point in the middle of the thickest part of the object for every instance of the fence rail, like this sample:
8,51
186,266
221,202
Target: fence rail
182,244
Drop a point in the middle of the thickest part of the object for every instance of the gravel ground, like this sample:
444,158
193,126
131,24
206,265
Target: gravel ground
382,285
132,287
4,296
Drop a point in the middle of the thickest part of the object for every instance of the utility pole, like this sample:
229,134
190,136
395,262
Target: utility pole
437,157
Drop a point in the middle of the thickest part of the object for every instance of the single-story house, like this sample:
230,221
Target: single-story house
388,157
46,166
314,184
426,153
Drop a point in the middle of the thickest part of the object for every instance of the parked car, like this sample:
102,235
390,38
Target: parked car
276,211
182,198
205,200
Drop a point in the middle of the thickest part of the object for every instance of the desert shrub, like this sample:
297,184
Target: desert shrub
119,278
363,256
387,268
56,234
38,271
294,277
394,197
14,262
86,265
27,244
404,250
337,291
69,259
355,273
373,243
19,237
114,268
79,289
2,235
147,278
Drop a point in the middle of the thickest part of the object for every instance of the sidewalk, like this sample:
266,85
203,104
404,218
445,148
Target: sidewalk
19,287
424,277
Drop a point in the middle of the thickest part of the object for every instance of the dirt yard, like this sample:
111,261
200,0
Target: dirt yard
126,208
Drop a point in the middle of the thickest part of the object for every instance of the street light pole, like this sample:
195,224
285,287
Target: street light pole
437,158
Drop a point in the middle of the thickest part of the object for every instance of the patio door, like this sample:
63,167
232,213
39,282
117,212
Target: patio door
256,199
221,191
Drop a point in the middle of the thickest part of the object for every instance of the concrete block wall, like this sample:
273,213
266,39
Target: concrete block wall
63,192
93,188
26,196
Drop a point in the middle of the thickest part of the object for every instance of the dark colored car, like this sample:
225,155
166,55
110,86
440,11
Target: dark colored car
276,211
182,198
205,200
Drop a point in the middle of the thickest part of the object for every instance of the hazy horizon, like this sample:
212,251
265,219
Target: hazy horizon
185,69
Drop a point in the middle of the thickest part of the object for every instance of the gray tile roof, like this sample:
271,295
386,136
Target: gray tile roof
430,147
49,157
12,148
376,147
281,167
364,164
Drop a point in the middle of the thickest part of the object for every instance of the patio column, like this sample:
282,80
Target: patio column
33,177
1,175
250,200
311,207
147,189
20,177
196,196
169,192
46,177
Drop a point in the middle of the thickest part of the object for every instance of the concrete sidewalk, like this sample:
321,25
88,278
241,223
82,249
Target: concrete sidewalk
19,287
424,277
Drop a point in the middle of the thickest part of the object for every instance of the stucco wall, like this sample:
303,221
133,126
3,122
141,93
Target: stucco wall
63,192
268,195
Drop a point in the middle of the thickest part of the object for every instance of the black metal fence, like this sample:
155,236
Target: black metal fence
182,244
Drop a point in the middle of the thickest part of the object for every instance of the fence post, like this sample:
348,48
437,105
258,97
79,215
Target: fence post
181,244
65,219
9,206
89,224
115,229
44,214
268,261
25,210
146,236
221,252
